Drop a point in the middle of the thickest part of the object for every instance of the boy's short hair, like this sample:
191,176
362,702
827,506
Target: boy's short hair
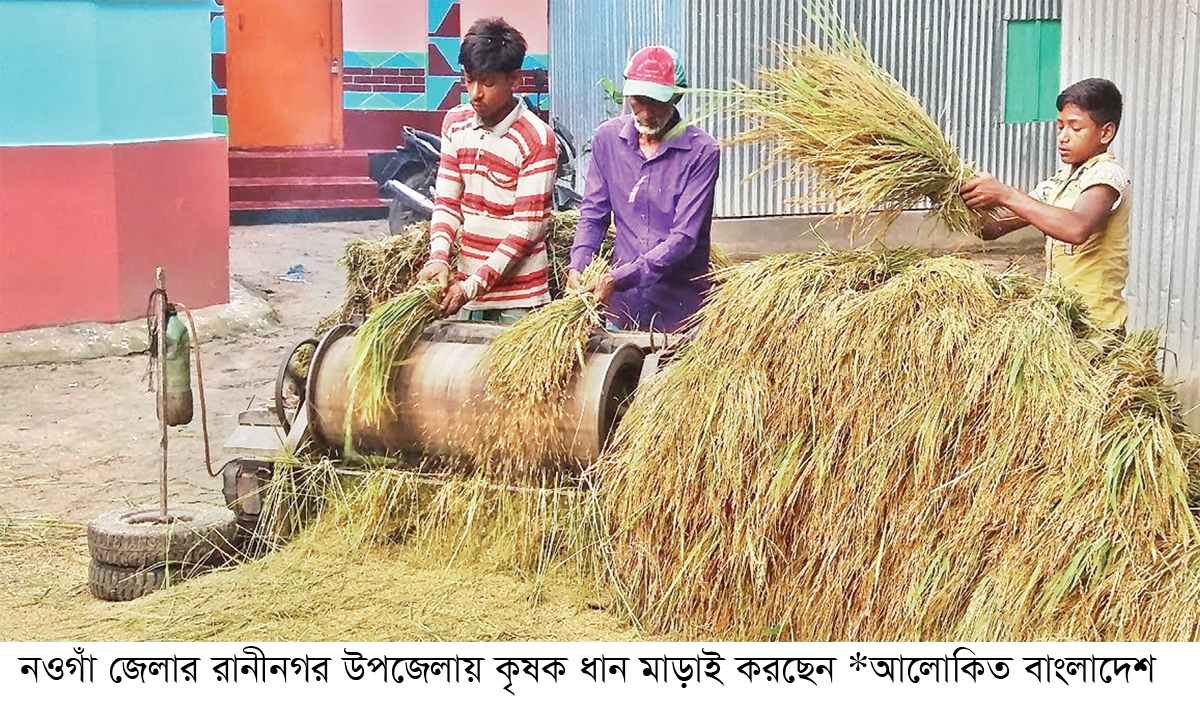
491,45
1099,97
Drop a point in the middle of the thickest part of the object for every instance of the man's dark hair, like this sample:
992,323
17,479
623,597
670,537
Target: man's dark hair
491,45
1099,97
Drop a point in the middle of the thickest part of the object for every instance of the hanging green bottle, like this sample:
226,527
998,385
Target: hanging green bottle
177,387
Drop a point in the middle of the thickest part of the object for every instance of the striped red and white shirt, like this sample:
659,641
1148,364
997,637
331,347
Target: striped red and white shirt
494,190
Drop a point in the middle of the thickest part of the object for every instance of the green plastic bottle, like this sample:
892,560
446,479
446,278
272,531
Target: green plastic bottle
177,387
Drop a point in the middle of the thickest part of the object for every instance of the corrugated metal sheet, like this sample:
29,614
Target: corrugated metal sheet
949,53
1151,50
590,41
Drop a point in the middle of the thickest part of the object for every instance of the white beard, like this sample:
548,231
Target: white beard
647,130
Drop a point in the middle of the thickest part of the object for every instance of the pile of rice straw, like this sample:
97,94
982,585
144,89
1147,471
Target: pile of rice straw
36,530
378,270
882,446
449,513
870,143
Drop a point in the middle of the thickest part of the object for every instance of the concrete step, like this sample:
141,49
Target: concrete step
306,210
299,163
291,189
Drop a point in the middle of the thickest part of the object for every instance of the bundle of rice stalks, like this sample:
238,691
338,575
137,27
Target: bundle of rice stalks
378,270
870,143
879,446
559,236
537,356
528,369
382,343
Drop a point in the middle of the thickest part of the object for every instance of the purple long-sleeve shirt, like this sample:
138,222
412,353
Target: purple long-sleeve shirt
663,211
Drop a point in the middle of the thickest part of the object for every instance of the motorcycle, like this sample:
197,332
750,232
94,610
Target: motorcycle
409,176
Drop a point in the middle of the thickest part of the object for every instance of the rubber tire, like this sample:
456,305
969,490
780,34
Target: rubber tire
399,216
201,535
118,584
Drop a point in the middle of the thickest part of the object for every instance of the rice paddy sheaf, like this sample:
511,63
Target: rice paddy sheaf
830,111
382,344
529,369
883,446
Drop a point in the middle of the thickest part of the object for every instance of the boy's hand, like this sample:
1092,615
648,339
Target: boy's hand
454,299
984,191
434,270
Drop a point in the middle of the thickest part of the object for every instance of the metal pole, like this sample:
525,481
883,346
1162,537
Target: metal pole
161,315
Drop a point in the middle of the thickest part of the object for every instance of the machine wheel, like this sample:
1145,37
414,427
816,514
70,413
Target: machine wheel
243,484
118,584
195,535
289,374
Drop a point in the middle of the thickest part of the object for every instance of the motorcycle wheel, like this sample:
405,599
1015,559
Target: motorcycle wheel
399,214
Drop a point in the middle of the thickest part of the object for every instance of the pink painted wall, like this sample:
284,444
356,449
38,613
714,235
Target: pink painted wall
385,25
531,17
130,208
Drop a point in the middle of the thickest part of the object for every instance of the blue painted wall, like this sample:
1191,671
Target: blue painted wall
96,71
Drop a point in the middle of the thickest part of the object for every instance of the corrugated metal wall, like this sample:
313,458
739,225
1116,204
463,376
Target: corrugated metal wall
591,40
949,53
1151,50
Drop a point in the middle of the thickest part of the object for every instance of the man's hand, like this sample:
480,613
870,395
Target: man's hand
984,191
454,299
604,287
434,270
575,282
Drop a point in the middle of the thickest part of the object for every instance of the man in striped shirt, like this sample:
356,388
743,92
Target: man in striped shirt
494,187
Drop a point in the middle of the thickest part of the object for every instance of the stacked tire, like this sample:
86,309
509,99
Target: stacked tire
135,552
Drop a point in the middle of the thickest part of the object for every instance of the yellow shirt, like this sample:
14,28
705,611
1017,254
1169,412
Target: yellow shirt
1096,269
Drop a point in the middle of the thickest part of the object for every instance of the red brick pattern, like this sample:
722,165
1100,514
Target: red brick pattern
530,85
383,80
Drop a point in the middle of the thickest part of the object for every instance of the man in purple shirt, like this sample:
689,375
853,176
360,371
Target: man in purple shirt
655,175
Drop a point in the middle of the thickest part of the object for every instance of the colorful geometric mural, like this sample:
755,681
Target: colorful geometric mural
430,80
216,18
383,81
443,83
418,71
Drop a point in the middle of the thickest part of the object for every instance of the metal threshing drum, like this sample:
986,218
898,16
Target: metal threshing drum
440,390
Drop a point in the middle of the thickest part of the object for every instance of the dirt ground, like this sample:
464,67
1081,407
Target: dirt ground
78,439
82,438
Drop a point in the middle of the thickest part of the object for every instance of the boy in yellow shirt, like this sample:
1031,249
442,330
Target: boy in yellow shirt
1083,209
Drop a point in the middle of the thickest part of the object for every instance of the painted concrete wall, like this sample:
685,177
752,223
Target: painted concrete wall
79,71
385,25
401,61
108,165
530,17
